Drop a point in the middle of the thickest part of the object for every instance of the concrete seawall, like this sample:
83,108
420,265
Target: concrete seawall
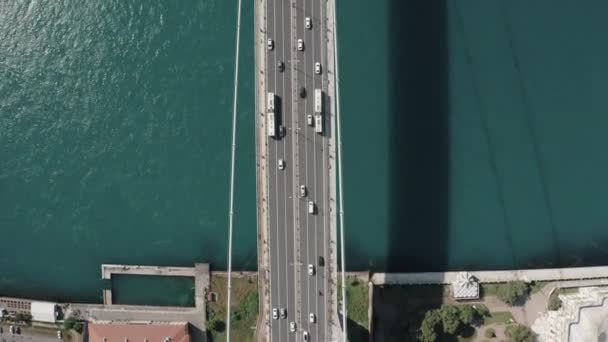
545,274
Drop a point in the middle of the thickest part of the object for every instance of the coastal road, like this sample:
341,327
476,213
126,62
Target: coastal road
297,238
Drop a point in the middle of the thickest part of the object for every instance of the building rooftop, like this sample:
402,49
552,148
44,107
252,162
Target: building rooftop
138,332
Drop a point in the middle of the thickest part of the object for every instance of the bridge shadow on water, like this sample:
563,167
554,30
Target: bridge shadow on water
419,165
419,136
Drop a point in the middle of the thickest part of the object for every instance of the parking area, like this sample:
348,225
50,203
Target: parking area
29,335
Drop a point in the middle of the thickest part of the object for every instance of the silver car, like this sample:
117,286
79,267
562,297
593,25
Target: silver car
311,207
281,164
292,326
302,190
310,120
275,313
270,44
317,68
300,45
311,269
308,23
312,318
283,313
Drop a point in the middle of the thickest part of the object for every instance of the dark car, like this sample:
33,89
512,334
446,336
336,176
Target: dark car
302,92
321,261
280,66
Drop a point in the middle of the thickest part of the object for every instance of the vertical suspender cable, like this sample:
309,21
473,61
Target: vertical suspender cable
233,153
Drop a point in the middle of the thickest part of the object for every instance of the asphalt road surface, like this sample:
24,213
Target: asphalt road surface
297,238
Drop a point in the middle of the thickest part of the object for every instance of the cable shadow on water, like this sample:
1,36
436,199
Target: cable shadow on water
508,231
529,119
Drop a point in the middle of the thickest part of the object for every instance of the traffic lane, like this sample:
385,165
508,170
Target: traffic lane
279,218
273,200
313,169
303,105
322,243
287,115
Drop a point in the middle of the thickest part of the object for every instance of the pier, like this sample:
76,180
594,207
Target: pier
109,311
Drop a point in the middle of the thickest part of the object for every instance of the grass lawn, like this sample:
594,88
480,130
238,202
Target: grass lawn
244,304
498,317
537,286
489,289
357,304
568,290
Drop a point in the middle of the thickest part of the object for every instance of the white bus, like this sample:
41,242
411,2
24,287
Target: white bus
270,102
318,101
271,124
318,123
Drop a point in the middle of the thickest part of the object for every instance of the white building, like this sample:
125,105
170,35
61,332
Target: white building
44,312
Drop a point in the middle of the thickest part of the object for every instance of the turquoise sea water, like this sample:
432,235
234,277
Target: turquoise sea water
115,131
153,290
473,137
474,134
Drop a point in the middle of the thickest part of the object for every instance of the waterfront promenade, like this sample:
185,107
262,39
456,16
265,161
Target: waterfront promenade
527,275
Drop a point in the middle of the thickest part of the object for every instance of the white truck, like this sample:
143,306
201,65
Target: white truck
318,101
318,123
270,103
318,111
272,131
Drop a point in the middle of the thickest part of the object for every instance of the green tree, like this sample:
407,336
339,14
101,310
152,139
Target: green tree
428,327
482,311
450,318
235,315
512,291
554,302
23,317
72,323
217,325
519,333
490,333
466,314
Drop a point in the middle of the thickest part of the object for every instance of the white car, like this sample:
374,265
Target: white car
300,45
311,269
59,334
292,326
308,23
281,164
270,44
302,190
317,68
305,336
311,207
275,313
310,120
312,318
